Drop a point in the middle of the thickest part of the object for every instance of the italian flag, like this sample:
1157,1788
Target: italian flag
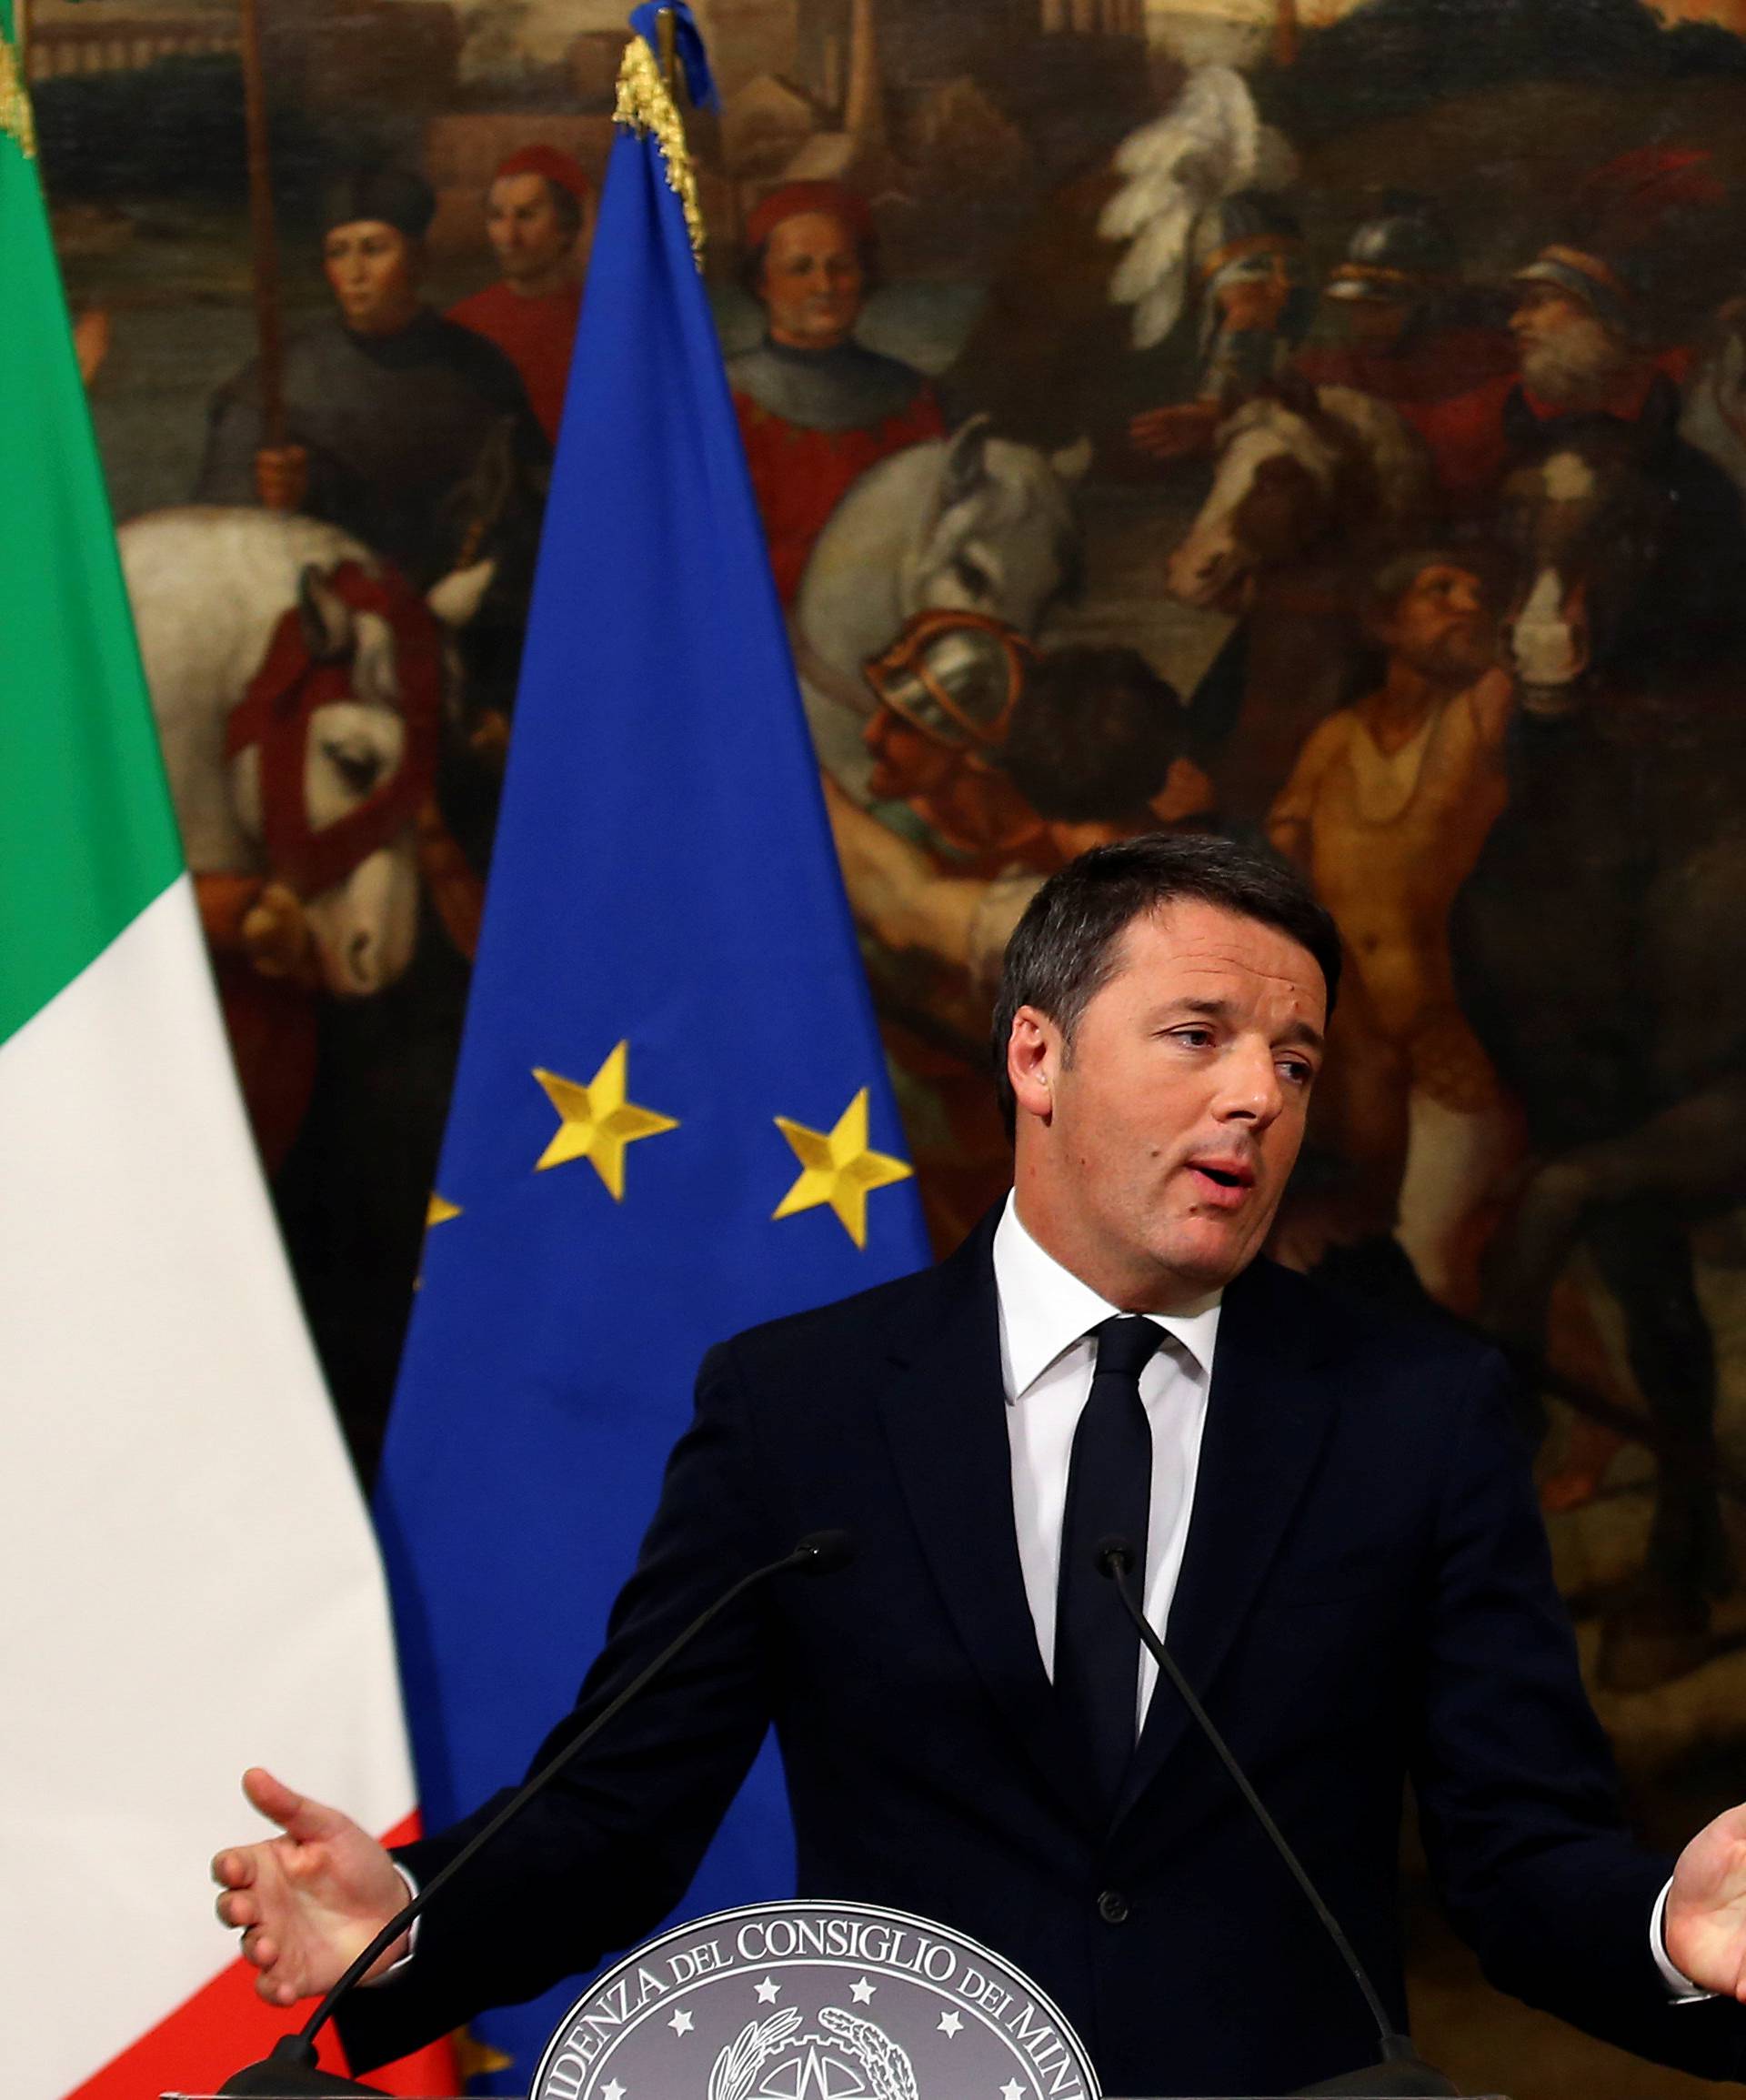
190,1581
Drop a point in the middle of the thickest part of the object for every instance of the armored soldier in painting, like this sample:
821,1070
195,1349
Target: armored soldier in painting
1411,333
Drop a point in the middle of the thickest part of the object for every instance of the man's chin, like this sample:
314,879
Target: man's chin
1211,1254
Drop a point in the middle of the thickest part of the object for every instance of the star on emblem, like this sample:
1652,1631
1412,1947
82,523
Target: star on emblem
861,1991
768,1992
613,2090
598,1121
949,2024
838,1168
680,2022
1013,2090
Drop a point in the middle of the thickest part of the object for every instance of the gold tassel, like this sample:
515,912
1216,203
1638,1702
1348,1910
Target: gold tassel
644,106
16,118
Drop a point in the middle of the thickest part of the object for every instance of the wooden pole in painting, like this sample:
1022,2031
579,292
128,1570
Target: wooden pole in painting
21,39
269,323
1285,33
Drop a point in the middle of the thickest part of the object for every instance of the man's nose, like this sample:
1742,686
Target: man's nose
1251,1090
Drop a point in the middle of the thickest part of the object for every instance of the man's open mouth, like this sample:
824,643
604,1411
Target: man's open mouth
1225,1174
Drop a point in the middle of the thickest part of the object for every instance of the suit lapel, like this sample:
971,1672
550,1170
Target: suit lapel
1268,1410
945,1419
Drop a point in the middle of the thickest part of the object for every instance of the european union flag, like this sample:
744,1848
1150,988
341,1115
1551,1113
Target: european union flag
670,1118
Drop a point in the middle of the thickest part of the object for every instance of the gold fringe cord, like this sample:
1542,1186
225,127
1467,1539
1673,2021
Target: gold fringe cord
644,106
16,119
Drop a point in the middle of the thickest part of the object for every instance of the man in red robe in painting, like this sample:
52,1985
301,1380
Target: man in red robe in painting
815,407
534,212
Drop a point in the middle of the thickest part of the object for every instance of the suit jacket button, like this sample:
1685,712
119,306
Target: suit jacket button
1112,1907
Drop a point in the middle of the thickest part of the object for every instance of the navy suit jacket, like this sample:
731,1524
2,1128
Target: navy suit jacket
1366,1596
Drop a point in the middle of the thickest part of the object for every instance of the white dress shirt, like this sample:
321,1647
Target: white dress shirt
1048,1354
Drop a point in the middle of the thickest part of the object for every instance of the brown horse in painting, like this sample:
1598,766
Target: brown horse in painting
1309,486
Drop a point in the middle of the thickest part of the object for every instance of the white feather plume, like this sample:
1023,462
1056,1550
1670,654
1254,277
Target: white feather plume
1208,145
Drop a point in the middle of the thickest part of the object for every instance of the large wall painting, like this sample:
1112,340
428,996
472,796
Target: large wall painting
1324,424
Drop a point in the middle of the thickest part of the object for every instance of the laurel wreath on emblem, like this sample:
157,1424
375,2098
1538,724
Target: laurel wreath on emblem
888,2071
887,2068
741,2062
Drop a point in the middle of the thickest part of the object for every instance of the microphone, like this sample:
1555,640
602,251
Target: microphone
289,2069
1400,2070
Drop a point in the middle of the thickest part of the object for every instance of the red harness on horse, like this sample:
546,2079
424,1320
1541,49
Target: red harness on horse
276,710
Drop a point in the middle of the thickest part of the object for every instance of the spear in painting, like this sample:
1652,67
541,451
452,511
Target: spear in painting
281,469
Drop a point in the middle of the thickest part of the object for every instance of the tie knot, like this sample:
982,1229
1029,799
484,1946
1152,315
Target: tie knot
1126,1346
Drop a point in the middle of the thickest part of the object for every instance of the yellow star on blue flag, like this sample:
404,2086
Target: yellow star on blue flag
600,1120
838,1166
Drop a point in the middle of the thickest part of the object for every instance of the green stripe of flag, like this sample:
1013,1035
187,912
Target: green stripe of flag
87,838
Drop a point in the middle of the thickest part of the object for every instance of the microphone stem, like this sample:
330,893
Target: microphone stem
1395,2049
301,2045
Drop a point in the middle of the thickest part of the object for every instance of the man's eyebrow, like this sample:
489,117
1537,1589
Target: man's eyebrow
1300,1032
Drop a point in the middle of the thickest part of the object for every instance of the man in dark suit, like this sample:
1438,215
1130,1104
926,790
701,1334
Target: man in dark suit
1338,1529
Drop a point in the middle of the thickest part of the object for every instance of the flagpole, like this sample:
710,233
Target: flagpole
667,39
21,39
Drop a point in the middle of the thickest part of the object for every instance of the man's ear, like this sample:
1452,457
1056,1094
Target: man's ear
1033,1059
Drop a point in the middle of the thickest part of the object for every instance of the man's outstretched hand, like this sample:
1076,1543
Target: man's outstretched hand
308,1903
1704,1925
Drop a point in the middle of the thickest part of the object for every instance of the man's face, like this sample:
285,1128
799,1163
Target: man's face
373,269
812,283
1377,325
1566,351
1254,299
1153,1151
530,236
906,761
1441,627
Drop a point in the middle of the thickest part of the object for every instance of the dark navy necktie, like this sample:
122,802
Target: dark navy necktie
1109,1494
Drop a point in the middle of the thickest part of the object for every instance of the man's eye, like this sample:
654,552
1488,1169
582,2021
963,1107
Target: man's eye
1195,1038
1297,1072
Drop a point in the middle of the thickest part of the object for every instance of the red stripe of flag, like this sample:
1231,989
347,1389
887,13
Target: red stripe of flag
223,2025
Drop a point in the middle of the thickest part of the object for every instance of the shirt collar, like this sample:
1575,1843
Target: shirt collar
1045,1309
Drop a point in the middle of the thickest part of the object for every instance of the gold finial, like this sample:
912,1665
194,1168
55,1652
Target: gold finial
646,106
16,119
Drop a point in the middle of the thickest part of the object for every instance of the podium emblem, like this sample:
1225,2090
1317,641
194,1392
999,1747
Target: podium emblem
814,2001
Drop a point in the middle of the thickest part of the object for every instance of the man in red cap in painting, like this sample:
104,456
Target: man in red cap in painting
816,408
535,213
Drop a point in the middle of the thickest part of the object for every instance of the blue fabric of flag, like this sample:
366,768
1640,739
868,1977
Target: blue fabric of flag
663,879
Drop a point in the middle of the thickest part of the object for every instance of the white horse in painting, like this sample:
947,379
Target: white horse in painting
209,585
969,523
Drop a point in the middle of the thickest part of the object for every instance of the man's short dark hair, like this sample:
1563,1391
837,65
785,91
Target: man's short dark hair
1064,949
1093,735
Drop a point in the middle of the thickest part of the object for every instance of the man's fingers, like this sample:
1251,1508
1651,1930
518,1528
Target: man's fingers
232,1870
296,1814
238,1911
